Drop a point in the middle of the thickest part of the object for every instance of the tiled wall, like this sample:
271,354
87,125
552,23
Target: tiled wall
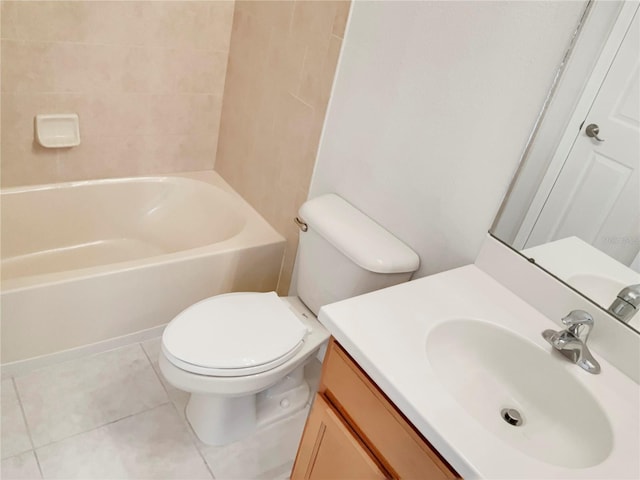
282,62
145,77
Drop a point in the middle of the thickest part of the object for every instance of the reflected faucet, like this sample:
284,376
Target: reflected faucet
626,303
572,342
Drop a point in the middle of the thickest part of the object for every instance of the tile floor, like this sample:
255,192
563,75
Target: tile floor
112,415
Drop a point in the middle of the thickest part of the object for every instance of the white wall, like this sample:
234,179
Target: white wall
432,105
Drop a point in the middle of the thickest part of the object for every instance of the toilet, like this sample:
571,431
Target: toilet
241,356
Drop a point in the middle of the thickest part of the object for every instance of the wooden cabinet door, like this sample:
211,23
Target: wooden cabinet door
329,450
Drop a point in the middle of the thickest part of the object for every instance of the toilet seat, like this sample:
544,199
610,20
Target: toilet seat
234,335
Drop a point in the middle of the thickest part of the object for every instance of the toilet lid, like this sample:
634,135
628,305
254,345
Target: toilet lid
233,334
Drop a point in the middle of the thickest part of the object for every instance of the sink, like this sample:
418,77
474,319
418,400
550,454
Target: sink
454,350
487,369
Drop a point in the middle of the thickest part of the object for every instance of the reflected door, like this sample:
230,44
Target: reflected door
596,197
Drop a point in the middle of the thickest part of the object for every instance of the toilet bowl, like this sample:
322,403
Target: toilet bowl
241,356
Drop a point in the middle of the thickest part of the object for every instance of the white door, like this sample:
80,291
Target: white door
596,197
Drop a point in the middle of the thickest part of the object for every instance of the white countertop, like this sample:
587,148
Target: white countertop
386,333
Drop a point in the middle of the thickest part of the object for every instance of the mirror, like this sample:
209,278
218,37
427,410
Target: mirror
574,204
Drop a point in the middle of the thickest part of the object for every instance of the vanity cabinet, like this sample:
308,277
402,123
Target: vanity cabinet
355,432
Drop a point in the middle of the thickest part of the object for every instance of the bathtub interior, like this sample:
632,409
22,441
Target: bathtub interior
72,226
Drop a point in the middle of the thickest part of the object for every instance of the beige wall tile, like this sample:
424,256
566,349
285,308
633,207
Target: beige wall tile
8,19
319,70
282,61
145,77
183,114
26,67
187,70
274,14
42,21
25,163
340,21
192,24
139,69
18,113
190,152
103,157
220,23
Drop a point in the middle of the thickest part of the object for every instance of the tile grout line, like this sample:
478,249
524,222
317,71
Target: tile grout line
26,424
190,431
147,46
146,354
105,424
302,101
147,409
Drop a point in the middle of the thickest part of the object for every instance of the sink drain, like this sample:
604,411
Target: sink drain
511,416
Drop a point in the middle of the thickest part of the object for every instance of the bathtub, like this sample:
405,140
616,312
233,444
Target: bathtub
84,263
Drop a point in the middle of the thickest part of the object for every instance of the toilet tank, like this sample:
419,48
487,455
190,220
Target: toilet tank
344,253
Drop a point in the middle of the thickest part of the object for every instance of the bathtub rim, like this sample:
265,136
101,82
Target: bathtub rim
254,227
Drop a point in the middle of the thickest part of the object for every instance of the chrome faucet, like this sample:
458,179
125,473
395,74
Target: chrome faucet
572,342
627,303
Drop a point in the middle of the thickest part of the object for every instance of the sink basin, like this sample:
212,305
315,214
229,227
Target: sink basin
487,369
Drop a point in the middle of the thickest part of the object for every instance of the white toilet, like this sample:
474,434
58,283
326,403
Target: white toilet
241,355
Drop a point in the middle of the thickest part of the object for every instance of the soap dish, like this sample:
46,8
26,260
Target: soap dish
58,130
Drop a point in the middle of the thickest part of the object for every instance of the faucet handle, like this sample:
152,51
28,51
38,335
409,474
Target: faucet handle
579,324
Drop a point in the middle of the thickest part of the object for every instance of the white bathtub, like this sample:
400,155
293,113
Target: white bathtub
87,262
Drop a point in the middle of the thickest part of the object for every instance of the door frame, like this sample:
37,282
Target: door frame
588,96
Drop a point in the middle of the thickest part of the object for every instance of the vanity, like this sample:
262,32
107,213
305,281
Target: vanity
355,431
421,381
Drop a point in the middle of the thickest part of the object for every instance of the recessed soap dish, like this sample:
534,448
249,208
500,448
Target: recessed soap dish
58,130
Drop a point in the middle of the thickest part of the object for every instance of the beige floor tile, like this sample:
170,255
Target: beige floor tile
20,467
153,444
283,472
178,397
15,438
76,396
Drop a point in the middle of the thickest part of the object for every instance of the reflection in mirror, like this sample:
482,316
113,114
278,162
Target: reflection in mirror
574,205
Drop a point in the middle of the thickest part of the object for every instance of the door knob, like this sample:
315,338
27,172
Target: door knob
592,131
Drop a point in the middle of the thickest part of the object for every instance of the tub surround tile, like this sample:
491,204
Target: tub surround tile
20,467
153,444
282,61
266,454
340,20
80,395
15,437
8,19
146,79
23,163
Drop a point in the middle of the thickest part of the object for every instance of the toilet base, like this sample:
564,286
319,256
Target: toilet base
219,420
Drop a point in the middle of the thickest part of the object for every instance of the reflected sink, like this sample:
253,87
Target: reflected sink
488,368
585,268
600,288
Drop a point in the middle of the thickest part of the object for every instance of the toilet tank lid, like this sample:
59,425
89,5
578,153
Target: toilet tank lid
357,236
